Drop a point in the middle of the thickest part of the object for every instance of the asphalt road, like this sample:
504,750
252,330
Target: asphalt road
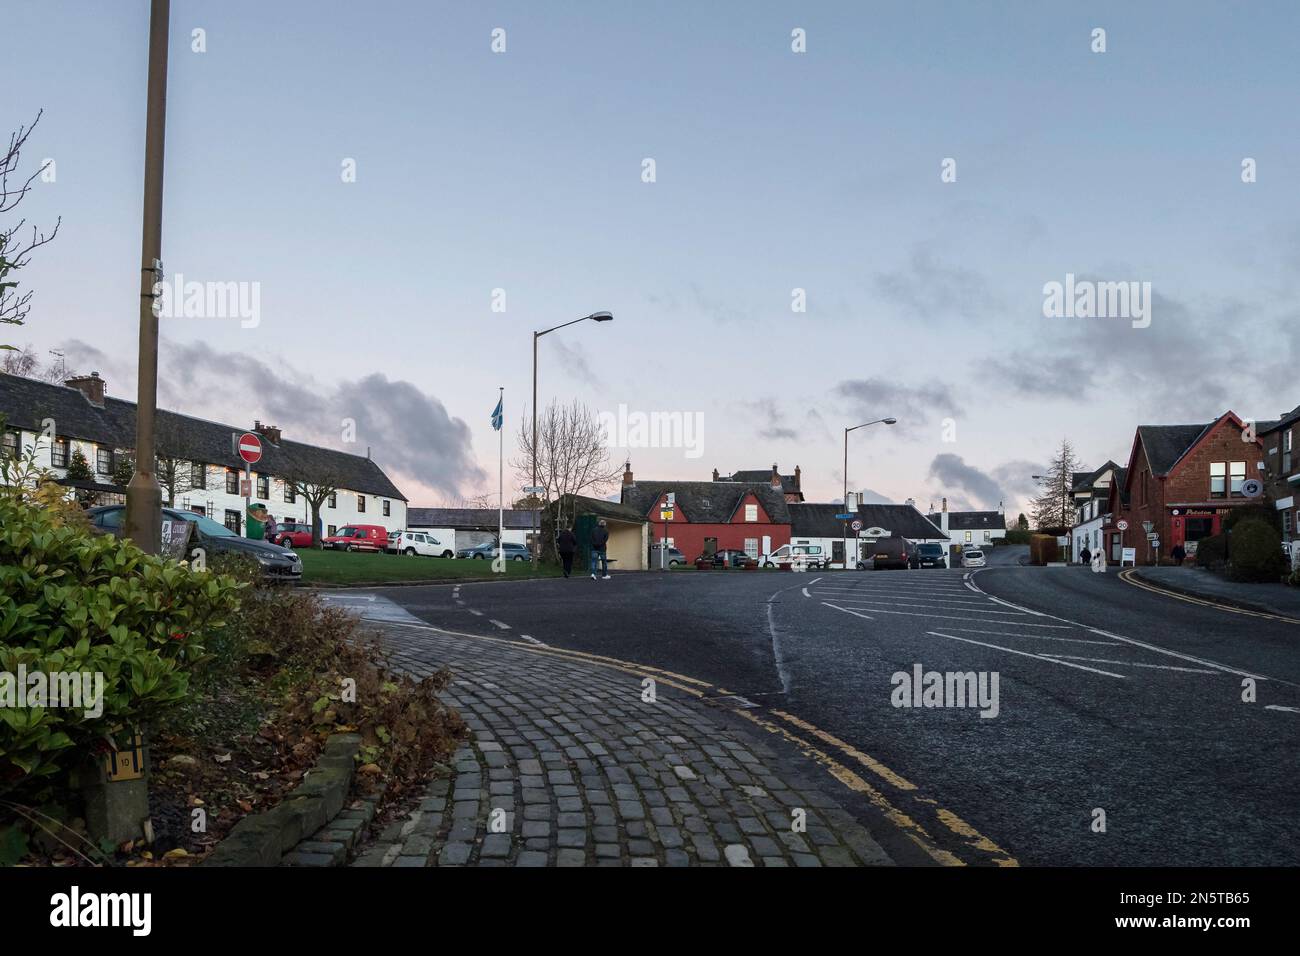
1120,701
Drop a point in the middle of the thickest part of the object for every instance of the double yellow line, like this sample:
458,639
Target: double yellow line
1129,576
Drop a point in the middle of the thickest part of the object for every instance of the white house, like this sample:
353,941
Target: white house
971,527
816,524
57,420
1091,494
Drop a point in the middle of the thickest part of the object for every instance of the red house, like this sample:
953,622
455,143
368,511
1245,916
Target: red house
1183,479
710,516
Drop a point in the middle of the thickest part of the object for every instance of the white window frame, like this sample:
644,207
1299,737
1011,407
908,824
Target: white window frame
751,512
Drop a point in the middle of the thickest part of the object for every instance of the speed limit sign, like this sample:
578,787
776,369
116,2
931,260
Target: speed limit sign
1121,524
856,524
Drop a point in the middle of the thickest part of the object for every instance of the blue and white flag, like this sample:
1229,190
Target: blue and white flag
498,416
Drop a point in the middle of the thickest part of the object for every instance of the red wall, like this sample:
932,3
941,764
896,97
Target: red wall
688,537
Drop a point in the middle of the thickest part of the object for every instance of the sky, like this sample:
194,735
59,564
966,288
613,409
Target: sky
517,180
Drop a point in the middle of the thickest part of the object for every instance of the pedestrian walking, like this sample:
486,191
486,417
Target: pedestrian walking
1179,554
599,539
1085,556
271,528
566,543
1099,562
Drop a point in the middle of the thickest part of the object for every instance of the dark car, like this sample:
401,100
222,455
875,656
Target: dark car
278,564
889,553
488,551
725,558
929,556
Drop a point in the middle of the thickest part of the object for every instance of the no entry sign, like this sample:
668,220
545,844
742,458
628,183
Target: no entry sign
249,447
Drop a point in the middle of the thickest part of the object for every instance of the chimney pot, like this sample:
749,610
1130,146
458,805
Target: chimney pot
716,476
91,386
627,474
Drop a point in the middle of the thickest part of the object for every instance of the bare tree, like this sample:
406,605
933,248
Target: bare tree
572,459
317,484
1054,507
15,249
26,363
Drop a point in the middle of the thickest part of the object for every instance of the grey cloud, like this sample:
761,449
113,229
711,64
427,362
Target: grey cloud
572,358
927,288
876,398
1010,483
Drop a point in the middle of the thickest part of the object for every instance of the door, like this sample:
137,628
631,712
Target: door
710,547
837,551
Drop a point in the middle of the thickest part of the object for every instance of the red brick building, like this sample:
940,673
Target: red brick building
1183,479
710,516
788,485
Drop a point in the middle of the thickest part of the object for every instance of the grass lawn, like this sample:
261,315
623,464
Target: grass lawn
340,567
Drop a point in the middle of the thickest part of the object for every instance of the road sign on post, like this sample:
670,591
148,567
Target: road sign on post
248,447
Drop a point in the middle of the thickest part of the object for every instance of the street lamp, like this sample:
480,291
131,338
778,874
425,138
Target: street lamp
595,317
143,493
878,421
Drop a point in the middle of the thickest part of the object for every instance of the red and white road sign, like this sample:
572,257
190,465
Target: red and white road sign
1121,524
250,448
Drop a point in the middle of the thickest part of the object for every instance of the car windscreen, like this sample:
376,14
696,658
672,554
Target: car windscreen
209,528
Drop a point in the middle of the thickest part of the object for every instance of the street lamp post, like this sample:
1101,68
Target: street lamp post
143,493
878,421
537,518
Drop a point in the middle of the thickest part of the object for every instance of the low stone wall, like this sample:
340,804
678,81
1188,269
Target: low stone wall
263,839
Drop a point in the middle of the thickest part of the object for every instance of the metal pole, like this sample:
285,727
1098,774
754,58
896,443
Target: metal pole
501,483
536,516
846,497
143,493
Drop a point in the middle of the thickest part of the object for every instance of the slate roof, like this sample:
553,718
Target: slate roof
707,502
764,476
1288,419
468,519
1121,482
1165,444
1085,480
581,504
25,403
973,520
818,521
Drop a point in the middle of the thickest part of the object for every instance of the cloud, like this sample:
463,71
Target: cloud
876,397
1009,484
573,360
410,433
926,288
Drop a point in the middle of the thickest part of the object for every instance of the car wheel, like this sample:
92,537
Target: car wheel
409,552
518,557
351,549
479,557
447,554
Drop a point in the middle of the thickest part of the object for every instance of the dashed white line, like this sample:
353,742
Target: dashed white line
1289,710
532,640
1038,637
949,617
1160,667
500,624
474,612
847,611
1039,657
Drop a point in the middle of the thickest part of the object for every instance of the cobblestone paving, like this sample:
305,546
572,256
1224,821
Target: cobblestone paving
567,766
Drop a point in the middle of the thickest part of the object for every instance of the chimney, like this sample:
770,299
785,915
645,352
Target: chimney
776,476
1000,508
911,502
796,478
92,386
627,475
270,432
716,476
943,517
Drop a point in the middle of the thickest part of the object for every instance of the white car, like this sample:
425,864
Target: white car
412,543
799,555
972,559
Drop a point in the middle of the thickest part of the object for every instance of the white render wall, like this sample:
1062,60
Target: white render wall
215,501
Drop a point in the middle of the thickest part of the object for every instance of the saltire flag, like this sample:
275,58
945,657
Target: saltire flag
498,416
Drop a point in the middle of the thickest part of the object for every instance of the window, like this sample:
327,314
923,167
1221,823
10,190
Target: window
751,547
361,504
387,508
1218,479
104,461
331,530
1236,475
198,476
290,492
751,512
59,453
1286,521
968,536
334,500
263,486
198,509
232,520
1286,451
987,537
11,443
232,483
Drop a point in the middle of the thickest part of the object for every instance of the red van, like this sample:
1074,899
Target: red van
357,537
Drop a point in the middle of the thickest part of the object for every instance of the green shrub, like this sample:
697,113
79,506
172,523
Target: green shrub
1262,510
75,601
1255,553
1211,552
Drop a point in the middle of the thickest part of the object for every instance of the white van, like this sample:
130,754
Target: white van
418,542
799,555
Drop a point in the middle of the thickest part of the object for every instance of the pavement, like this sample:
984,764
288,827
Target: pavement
1170,722
1204,584
576,761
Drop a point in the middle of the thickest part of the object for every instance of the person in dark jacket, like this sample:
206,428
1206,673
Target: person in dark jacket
1179,554
1085,556
566,543
599,539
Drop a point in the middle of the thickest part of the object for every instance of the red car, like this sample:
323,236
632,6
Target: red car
358,537
293,534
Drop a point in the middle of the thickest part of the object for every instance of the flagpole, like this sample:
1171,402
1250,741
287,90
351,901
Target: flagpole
501,486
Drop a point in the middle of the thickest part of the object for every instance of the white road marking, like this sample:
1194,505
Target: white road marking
475,613
1038,637
847,611
532,640
1161,667
946,617
503,626
806,594
1040,657
1289,710
972,610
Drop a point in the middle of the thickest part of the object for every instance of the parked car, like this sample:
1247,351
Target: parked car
928,555
673,559
416,542
812,555
293,534
892,552
278,564
357,537
972,559
488,550
724,558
